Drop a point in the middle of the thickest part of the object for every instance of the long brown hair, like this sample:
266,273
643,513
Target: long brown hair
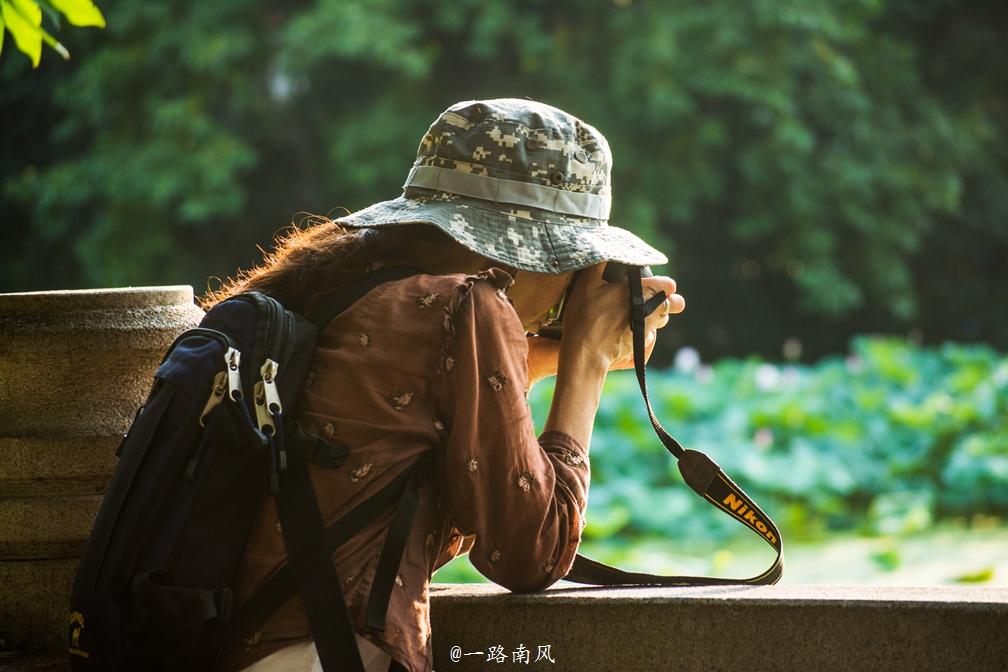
319,254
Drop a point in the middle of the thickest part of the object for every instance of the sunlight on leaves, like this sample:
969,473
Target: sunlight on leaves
23,20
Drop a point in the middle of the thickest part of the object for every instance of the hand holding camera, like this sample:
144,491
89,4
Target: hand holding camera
595,314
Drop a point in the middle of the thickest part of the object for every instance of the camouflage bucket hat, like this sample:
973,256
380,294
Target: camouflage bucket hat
517,181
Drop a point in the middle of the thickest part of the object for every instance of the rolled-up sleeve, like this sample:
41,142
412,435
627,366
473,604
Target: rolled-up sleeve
523,497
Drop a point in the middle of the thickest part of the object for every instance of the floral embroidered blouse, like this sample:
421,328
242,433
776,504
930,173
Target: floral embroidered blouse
430,363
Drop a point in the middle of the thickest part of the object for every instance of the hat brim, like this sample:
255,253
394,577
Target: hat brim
519,236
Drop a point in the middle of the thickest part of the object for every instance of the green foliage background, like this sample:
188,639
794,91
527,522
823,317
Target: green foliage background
889,439
813,169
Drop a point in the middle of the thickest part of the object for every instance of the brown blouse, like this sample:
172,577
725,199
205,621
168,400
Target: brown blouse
430,363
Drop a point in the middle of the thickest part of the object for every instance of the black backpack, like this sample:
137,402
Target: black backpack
214,439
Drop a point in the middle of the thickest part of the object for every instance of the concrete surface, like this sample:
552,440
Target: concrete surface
74,367
819,628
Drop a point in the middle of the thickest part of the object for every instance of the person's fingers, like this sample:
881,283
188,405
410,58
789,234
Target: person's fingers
658,283
671,305
677,303
598,313
674,303
657,319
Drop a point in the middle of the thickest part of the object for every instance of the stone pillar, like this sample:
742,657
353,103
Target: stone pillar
74,367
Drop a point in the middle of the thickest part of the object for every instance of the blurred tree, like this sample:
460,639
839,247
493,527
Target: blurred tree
813,169
962,264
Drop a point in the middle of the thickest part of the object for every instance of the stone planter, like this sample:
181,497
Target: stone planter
74,367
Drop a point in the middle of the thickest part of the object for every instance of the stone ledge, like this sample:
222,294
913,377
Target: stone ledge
566,592
57,301
714,628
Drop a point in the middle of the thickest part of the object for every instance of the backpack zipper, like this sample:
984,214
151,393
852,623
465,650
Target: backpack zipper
265,395
277,320
217,391
271,366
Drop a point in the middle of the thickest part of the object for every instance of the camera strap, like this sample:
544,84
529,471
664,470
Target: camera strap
700,472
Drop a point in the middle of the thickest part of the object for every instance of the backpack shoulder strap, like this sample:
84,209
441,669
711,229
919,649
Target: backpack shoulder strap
310,560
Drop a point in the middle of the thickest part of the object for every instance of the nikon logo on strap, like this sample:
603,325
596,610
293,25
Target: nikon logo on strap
743,512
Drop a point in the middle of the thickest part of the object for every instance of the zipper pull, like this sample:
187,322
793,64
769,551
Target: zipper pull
217,391
263,416
268,371
232,358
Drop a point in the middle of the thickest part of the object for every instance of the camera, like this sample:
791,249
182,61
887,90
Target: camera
614,272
